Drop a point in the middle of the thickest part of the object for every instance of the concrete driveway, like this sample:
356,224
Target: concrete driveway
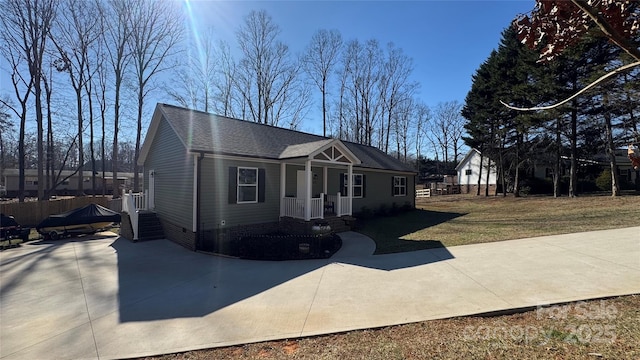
104,297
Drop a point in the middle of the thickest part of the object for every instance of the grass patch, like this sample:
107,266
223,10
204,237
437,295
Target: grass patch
6,244
460,221
529,335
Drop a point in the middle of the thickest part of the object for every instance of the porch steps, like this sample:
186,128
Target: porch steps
149,226
339,224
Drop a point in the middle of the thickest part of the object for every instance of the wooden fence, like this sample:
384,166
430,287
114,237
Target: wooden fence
31,213
423,193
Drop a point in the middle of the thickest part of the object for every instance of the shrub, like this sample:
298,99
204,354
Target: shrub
394,209
365,213
603,181
280,246
407,206
383,210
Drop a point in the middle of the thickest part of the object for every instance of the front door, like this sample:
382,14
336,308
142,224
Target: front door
301,185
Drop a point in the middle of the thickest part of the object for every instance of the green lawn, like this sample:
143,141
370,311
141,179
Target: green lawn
33,235
451,221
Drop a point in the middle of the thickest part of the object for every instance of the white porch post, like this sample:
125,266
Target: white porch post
307,198
283,186
350,188
324,179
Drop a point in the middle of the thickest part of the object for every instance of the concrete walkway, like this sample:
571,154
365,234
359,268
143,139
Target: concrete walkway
104,297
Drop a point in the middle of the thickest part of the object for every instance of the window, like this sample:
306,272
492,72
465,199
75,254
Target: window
247,185
358,185
468,172
399,186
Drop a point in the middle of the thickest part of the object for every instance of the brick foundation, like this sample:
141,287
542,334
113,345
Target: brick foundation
472,189
179,234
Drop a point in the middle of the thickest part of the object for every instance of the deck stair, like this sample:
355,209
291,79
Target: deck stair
339,224
149,226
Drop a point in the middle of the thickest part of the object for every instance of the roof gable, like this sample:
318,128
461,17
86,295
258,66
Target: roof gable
328,150
473,152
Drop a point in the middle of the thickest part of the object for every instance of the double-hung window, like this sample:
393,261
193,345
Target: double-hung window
399,186
358,185
247,185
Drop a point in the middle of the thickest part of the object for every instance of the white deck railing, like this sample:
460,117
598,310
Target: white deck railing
132,204
341,204
423,193
317,207
344,207
294,207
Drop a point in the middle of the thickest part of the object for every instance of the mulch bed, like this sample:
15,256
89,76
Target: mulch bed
280,246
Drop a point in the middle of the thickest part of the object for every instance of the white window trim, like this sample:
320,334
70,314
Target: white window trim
346,185
238,185
402,187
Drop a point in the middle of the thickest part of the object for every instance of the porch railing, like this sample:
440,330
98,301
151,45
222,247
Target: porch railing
132,203
341,203
317,207
294,207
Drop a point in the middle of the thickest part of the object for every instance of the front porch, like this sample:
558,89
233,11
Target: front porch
334,205
313,198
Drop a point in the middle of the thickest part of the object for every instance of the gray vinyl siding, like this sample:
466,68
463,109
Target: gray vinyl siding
378,189
215,205
173,177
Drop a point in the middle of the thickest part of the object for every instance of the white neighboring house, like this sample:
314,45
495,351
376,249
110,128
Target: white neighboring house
469,169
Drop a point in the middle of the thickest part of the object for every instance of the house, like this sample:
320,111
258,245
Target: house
628,176
469,170
10,179
210,177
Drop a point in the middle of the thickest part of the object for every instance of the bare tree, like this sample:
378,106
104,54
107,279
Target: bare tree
117,32
448,128
343,73
320,57
267,77
423,117
156,29
25,31
404,122
362,64
76,32
395,88
101,98
195,87
5,128
457,130
226,93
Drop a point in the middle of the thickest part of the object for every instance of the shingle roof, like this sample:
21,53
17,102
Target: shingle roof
209,133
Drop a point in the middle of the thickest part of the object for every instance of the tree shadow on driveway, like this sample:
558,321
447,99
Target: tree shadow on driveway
161,280
389,232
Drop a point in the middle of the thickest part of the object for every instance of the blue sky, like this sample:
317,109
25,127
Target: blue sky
447,40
